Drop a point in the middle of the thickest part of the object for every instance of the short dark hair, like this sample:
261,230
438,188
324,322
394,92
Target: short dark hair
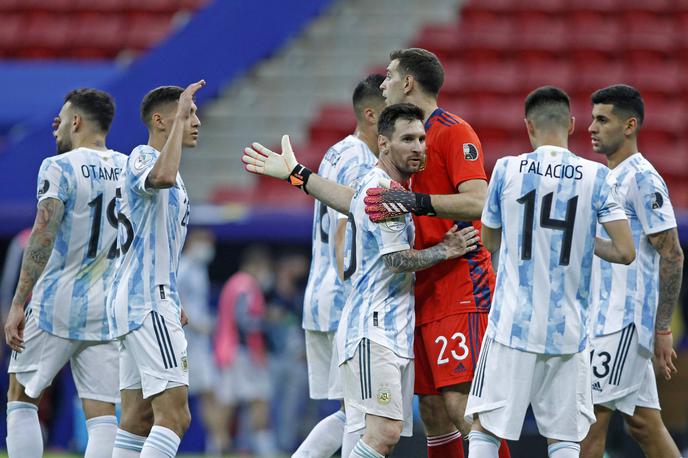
98,106
159,96
548,105
423,65
390,115
625,99
367,91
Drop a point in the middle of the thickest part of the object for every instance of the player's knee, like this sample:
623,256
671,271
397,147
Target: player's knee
138,421
386,436
178,420
433,414
16,392
643,426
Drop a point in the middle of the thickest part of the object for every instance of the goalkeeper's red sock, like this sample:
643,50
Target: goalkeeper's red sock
446,446
504,449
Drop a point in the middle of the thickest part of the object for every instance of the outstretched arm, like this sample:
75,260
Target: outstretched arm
262,161
41,242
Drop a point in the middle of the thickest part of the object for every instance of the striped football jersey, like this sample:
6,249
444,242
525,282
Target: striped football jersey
346,163
626,294
151,244
547,204
69,297
380,306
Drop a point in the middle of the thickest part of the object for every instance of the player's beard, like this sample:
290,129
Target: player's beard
64,146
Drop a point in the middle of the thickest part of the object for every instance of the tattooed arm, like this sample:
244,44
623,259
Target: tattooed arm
456,243
48,217
670,274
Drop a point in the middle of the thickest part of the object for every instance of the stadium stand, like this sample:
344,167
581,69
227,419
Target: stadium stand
498,50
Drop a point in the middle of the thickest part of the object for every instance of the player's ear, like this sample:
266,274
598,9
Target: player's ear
572,125
157,122
370,115
76,121
382,143
529,127
409,82
631,126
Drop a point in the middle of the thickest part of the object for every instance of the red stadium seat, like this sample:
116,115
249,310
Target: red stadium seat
99,34
11,6
540,33
649,31
545,73
50,6
658,76
144,31
11,33
487,77
46,35
100,6
603,6
594,33
151,6
332,123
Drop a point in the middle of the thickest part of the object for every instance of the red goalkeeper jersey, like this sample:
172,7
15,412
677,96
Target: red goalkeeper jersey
462,285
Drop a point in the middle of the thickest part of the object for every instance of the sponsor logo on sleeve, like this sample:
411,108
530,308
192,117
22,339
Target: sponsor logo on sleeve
470,152
656,200
44,188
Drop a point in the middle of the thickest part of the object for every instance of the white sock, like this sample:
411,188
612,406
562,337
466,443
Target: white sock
363,450
564,450
482,445
161,443
101,436
349,441
325,438
24,438
127,445
264,442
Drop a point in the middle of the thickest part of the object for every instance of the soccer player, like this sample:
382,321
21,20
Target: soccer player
346,162
67,267
143,303
541,214
632,305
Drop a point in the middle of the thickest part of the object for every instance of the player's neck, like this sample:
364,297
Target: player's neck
393,172
368,137
426,103
95,142
617,157
561,141
156,142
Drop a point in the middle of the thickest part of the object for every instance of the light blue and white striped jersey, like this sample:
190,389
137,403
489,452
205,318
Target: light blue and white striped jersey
69,297
626,294
547,204
380,304
151,244
346,163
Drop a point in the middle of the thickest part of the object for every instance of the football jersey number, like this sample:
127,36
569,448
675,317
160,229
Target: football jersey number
602,369
441,359
566,225
113,219
351,268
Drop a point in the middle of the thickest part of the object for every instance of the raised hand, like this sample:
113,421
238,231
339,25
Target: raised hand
186,98
263,161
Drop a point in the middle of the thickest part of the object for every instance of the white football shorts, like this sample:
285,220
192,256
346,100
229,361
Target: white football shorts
324,381
557,387
153,357
94,363
377,382
622,374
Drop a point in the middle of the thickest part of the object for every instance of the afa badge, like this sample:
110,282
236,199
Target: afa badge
384,396
185,363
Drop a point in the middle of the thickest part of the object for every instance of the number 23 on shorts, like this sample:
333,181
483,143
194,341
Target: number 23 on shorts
459,352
